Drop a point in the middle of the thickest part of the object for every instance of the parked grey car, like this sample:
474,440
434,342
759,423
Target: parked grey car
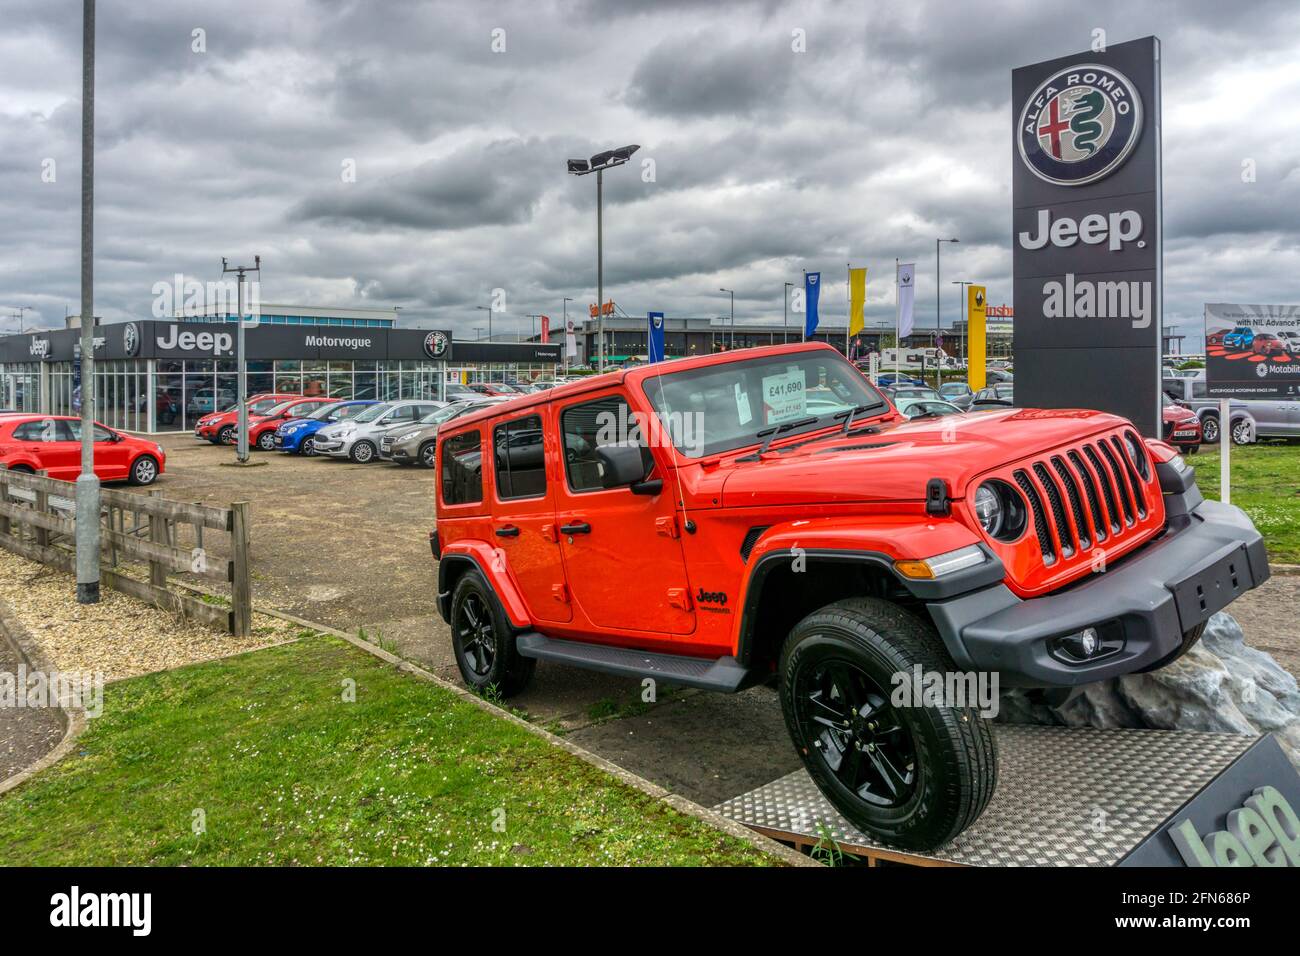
358,438
416,443
1251,418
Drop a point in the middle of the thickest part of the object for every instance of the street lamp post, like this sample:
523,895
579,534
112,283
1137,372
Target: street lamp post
87,488
965,319
785,312
488,309
732,293
583,167
938,282
564,346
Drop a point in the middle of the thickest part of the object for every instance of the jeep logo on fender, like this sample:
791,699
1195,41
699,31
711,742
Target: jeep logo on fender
712,597
1079,125
212,343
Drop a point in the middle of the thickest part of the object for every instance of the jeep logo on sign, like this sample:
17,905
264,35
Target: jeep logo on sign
215,343
435,344
40,347
1079,125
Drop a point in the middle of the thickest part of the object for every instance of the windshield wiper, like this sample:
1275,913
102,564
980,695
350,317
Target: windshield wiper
853,413
769,434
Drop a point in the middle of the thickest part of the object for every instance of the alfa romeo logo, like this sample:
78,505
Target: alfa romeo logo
435,344
131,340
1079,125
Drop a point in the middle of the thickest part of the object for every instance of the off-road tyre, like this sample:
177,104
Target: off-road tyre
483,642
953,768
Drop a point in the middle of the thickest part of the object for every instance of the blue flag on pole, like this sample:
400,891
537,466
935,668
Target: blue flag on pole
656,334
812,285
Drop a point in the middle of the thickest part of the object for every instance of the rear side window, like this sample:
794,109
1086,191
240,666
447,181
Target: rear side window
462,469
518,451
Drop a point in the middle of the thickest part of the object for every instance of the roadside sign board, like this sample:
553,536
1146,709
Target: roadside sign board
1086,231
1252,351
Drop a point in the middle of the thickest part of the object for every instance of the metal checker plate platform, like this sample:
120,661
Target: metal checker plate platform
1065,797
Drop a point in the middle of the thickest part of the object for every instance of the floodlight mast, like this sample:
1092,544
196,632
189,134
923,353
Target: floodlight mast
582,167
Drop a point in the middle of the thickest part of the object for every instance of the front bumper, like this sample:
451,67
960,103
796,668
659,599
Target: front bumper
1208,555
337,447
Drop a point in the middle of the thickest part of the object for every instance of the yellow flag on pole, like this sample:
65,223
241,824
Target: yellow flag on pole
857,300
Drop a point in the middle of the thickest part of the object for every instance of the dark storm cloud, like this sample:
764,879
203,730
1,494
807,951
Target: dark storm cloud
756,161
697,76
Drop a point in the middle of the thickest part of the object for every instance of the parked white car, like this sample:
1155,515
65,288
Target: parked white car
358,438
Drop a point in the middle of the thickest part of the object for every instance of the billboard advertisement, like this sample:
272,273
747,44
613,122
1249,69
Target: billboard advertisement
1086,231
1252,351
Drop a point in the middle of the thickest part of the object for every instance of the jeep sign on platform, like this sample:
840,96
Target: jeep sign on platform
1086,232
1252,351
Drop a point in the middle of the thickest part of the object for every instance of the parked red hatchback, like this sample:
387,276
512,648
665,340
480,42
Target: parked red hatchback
219,427
52,443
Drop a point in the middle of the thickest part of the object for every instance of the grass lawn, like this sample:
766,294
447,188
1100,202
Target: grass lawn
1266,485
281,770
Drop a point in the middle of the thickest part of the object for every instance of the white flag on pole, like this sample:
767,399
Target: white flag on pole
906,296
570,340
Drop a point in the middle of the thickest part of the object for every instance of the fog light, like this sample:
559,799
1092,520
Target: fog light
1089,644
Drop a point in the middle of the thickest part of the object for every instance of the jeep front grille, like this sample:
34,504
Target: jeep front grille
1084,495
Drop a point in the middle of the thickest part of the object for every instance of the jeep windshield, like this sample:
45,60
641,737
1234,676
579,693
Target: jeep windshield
707,411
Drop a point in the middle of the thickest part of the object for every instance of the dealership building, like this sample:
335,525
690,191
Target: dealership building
162,375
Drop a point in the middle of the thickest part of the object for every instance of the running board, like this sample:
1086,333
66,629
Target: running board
720,674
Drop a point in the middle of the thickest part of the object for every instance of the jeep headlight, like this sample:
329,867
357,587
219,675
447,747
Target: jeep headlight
1137,455
989,510
1000,511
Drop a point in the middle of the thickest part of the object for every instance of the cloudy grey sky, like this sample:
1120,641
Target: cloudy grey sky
891,129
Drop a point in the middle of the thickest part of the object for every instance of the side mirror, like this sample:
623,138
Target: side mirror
620,465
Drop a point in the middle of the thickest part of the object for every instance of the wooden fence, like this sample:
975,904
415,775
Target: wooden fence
162,537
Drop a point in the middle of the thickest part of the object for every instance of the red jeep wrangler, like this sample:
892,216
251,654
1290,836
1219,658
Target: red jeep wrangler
721,521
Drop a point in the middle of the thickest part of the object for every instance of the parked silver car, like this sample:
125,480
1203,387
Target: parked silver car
358,438
1251,418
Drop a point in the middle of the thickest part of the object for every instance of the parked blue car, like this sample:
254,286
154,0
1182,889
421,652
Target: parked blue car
1239,338
890,379
296,435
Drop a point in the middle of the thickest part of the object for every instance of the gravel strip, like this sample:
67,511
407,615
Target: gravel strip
120,636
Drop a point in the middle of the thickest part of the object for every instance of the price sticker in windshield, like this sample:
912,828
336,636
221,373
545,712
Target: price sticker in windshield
785,396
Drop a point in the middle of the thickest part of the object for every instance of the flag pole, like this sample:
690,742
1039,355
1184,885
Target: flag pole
898,338
848,290
804,334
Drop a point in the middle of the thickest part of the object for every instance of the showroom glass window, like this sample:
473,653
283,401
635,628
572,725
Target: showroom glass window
518,454
462,469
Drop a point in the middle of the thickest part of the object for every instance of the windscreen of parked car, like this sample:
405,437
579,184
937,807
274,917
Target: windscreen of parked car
705,411
447,413
915,407
372,412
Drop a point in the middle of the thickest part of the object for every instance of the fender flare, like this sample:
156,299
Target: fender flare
479,554
984,575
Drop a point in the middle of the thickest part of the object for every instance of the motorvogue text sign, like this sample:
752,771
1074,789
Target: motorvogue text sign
1252,351
1086,232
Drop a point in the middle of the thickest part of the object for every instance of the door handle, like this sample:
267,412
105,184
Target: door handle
509,531
578,527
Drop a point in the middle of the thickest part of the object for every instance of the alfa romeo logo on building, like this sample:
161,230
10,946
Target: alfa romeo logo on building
435,344
131,340
1079,125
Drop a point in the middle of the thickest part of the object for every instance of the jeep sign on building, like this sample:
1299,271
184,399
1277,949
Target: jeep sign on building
1086,232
